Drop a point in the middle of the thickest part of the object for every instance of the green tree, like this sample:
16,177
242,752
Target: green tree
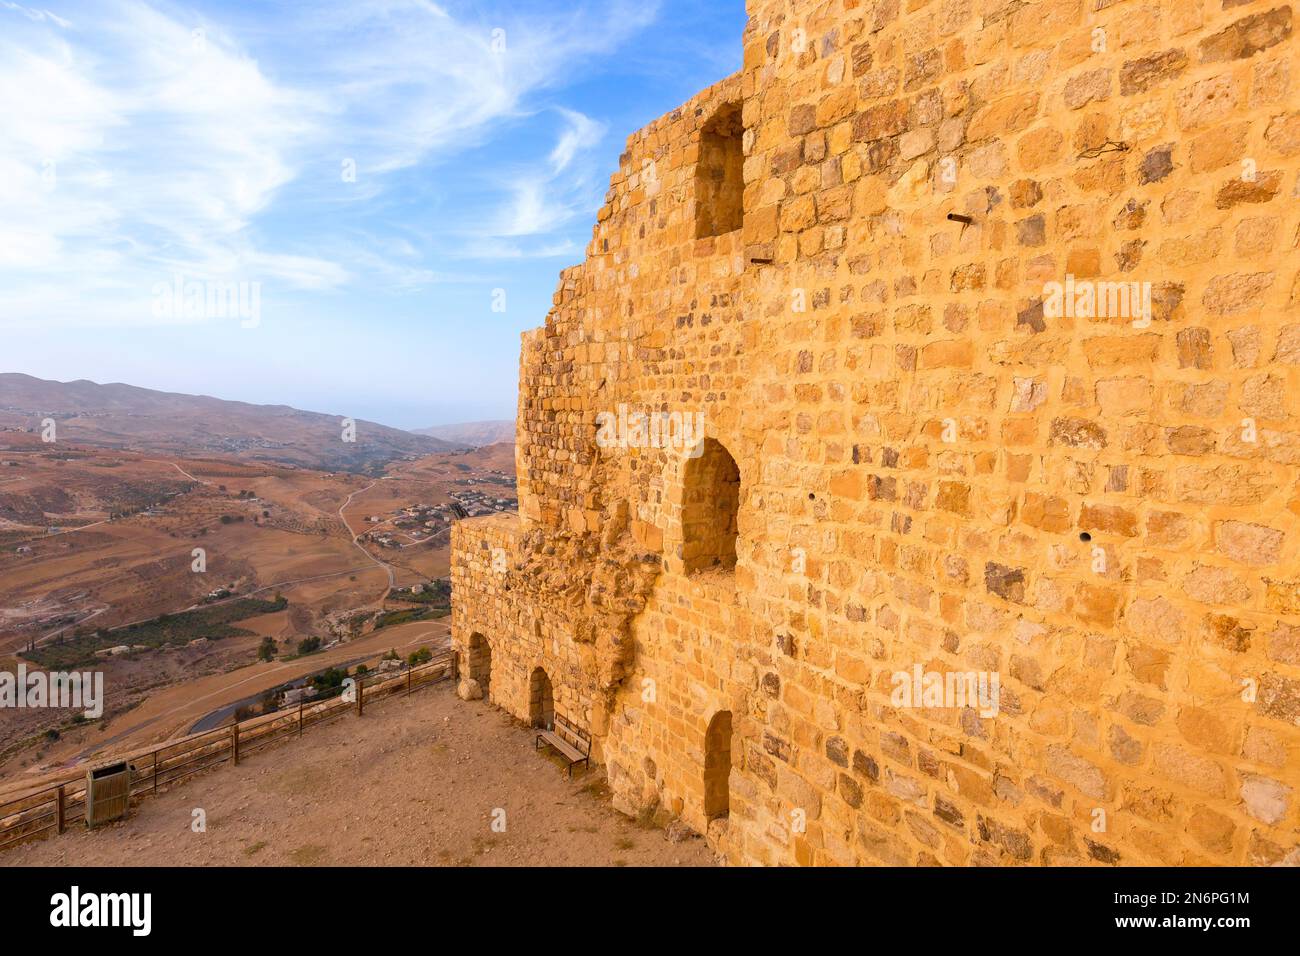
328,682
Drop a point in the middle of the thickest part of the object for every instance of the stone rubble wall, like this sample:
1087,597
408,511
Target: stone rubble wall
937,469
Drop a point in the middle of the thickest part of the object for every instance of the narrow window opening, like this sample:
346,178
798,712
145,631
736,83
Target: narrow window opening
711,504
717,766
720,174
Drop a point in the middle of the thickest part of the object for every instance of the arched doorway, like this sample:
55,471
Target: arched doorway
710,504
717,766
541,700
479,663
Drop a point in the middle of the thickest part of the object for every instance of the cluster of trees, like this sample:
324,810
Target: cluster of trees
214,622
328,682
389,618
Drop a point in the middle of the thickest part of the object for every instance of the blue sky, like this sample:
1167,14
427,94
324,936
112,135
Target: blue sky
366,173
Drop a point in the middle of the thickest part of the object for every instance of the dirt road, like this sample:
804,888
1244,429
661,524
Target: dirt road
392,578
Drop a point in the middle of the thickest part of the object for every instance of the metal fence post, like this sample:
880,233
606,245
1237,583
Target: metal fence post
361,693
234,735
299,718
60,814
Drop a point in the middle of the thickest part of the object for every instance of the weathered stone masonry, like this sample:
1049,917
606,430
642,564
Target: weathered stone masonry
935,467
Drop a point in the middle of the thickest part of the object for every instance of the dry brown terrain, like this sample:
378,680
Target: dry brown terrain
103,572
490,458
127,526
414,782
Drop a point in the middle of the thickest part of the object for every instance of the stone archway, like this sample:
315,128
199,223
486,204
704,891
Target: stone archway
541,700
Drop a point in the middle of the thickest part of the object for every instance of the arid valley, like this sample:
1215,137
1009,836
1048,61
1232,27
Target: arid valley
200,584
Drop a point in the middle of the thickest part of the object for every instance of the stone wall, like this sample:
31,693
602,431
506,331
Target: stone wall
951,459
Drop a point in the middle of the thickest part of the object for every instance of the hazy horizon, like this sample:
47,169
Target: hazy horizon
435,424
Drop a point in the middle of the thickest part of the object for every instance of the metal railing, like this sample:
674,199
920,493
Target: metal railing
49,810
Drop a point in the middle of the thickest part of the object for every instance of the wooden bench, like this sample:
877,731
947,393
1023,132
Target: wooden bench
568,740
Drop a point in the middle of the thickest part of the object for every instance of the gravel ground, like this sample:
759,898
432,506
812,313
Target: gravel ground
417,781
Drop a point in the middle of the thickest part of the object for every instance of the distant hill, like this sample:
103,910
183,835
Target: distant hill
476,434
168,423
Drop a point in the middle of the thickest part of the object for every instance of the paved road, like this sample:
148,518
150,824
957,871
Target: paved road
214,718
299,667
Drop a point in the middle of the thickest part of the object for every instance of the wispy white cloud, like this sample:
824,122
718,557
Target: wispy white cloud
411,80
138,140
548,194
132,145
32,13
581,133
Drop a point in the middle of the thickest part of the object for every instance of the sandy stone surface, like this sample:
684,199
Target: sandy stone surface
991,328
415,782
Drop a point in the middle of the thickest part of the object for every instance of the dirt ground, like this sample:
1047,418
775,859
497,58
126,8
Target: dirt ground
417,781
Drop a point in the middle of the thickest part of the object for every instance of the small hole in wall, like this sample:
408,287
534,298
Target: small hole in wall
811,496
1084,536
